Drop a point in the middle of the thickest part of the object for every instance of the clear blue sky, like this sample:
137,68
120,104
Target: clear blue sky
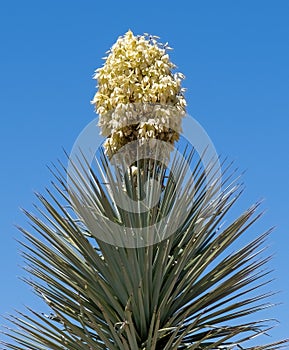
235,55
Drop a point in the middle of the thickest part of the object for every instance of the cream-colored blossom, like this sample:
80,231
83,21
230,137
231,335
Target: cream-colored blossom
138,94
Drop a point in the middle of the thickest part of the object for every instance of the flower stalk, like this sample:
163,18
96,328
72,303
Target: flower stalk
139,97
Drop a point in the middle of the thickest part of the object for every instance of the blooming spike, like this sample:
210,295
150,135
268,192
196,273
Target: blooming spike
136,80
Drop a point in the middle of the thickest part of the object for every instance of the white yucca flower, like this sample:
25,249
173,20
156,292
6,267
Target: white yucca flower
139,96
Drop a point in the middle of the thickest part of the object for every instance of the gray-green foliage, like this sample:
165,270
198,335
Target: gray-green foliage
189,291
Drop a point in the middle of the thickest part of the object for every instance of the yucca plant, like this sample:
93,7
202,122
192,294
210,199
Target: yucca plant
164,278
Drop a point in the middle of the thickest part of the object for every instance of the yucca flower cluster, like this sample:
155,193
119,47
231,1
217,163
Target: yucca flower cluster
139,96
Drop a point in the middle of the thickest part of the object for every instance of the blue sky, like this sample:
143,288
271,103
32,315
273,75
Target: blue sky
235,55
